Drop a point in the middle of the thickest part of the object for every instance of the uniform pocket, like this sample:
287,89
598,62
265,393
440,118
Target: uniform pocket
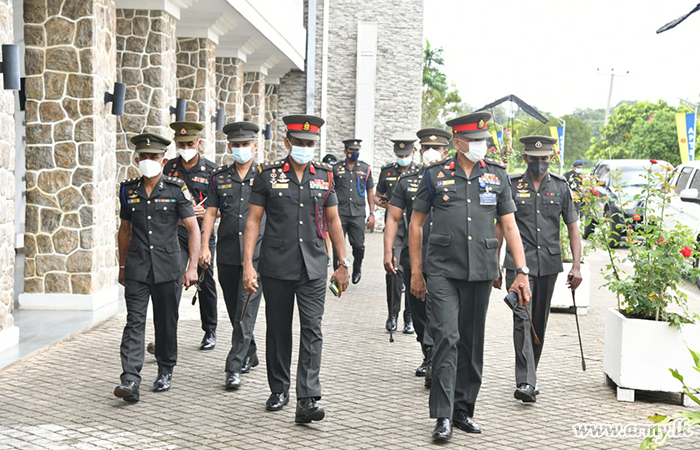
491,242
442,240
554,250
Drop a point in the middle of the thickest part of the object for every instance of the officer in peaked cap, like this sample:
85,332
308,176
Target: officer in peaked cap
541,198
230,187
466,194
195,170
354,187
404,147
297,196
149,262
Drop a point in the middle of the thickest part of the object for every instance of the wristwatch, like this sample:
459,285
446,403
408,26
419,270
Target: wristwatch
346,263
524,270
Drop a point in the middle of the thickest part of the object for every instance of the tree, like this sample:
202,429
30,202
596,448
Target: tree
577,140
440,100
593,118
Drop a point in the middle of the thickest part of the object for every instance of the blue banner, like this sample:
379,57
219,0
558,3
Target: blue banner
499,136
560,132
690,127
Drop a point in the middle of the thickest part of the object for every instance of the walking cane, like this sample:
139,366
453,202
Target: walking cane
578,329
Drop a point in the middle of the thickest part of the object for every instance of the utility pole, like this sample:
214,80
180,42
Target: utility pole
612,79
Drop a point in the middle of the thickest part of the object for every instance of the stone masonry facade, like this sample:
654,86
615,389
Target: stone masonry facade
70,63
254,104
271,118
7,182
229,81
146,62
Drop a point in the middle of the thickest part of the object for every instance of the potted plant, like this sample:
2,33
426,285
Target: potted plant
644,334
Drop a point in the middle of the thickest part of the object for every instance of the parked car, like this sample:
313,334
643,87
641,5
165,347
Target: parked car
685,208
633,177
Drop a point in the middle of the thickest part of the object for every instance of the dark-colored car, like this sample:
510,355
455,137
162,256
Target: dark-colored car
633,177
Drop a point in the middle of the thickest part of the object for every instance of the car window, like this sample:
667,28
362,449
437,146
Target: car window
696,181
602,173
684,177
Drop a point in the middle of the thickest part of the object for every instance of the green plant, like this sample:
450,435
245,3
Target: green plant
565,243
660,256
660,433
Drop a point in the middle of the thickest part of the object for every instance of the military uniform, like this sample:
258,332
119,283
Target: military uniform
351,187
461,265
388,178
538,221
153,265
575,181
197,180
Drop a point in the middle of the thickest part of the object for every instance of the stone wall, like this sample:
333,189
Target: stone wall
271,100
254,105
229,81
291,99
7,182
146,63
70,63
196,77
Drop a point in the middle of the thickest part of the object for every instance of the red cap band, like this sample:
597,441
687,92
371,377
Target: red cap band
300,127
468,127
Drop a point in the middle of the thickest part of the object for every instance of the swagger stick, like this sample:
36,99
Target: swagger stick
532,326
245,308
578,329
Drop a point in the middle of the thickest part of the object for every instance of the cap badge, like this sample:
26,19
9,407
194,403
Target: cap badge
306,126
183,131
538,144
481,124
402,145
432,138
148,142
355,143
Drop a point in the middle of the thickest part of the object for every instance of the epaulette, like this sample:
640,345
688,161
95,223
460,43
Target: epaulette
515,177
210,164
270,165
556,175
435,163
322,165
387,165
174,180
494,163
130,181
221,169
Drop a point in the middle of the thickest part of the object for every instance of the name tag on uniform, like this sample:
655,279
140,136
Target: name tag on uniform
341,172
133,200
522,195
225,186
319,184
445,183
280,186
412,189
391,178
487,198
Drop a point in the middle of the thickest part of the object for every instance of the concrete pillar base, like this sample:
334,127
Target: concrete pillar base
70,302
9,337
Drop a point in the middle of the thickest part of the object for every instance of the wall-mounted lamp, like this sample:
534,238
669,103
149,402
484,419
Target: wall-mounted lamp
23,94
179,109
268,132
247,119
117,98
9,66
219,118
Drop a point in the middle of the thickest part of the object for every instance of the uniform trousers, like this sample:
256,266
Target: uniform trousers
457,322
527,353
354,228
419,308
207,294
235,297
165,316
394,286
279,311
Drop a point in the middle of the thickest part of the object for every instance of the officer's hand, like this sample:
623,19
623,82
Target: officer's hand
574,279
190,278
199,211
498,282
250,279
205,258
390,264
418,285
521,286
370,222
383,204
341,276
121,276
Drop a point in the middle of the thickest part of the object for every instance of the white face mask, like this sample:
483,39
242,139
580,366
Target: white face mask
431,155
187,153
477,151
242,154
150,168
302,155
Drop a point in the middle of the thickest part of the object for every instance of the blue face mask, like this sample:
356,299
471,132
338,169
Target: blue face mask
242,154
352,156
403,162
302,155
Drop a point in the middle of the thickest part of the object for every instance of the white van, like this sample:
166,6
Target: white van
685,207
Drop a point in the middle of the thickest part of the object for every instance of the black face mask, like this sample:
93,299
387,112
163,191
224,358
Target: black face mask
537,168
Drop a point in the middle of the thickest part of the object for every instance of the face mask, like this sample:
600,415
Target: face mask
477,151
403,162
578,170
302,155
431,155
242,154
150,168
187,153
537,168
352,156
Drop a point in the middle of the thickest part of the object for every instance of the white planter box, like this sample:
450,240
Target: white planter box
639,354
562,294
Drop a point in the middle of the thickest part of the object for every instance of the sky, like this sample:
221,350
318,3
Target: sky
548,52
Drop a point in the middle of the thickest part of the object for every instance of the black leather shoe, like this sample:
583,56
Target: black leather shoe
420,371
526,393
428,376
465,423
151,348
391,323
356,277
443,429
163,382
250,361
208,342
233,380
308,411
128,390
537,390
276,401
408,327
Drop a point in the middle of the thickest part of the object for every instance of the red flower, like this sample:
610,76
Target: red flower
595,192
686,251
661,241
637,218
653,161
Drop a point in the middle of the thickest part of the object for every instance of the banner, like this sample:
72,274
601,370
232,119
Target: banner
497,139
685,126
558,133
499,136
